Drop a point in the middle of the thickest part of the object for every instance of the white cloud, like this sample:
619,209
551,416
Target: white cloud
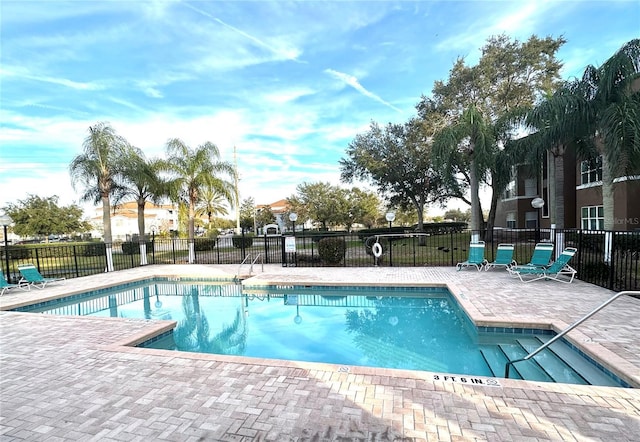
352,81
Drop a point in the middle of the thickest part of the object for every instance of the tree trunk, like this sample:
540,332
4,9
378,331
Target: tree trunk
556,184
475,200
142,240
192,219
106,219
106,222
141,203
422,240
488,237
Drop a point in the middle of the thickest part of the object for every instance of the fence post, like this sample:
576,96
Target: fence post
243,248
266,250
75,261
173,249
451,248
284,253
612,250
344,254
579,247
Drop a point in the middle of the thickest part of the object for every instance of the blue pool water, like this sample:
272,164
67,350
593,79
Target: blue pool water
407,328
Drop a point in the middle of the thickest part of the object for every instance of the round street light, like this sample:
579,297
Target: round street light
537,203
390,216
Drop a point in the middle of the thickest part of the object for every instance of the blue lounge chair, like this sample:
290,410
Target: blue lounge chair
4,285
504,257
476,256
32,277
542,255
559,268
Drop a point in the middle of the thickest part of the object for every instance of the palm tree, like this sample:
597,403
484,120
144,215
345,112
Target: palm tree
97,170
212,203
598,114
142,182
549,133
195,170
472,137
609,118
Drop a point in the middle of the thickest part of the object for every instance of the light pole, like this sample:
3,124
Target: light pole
153,243
390,216
6,221
293,217
538,203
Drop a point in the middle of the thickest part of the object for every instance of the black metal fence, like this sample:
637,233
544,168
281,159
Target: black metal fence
608,259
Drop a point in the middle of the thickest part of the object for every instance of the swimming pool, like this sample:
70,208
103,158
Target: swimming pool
407,328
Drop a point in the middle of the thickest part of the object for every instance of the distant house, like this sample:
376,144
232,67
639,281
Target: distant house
124,220
279,209
582,198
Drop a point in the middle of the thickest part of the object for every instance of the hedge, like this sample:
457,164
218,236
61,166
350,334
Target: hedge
332,250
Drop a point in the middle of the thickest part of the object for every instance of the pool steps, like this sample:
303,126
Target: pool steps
558,363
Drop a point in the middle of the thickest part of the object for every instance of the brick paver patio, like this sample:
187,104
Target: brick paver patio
74,378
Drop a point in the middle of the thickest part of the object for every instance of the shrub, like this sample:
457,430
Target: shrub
240,241
331,250
133,247
92,249
18,252
204,244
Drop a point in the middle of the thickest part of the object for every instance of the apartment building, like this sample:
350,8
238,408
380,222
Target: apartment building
582,198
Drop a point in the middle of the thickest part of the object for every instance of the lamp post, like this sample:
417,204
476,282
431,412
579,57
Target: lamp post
153,243
538,203
293,218
6,221
390,216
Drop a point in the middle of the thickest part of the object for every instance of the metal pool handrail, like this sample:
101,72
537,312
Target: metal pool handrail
635,294
245,260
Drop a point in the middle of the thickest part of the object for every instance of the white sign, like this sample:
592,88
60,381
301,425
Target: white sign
290,244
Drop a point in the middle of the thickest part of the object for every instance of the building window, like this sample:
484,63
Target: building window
591,170
531,220
530,187
593,218
511,220
547,197
510,191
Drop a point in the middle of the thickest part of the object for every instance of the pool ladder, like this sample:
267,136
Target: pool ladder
635,294
246,261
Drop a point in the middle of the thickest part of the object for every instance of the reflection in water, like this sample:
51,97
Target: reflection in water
422,329
193,333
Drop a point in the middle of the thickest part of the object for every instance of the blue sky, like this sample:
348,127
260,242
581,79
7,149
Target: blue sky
288,83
